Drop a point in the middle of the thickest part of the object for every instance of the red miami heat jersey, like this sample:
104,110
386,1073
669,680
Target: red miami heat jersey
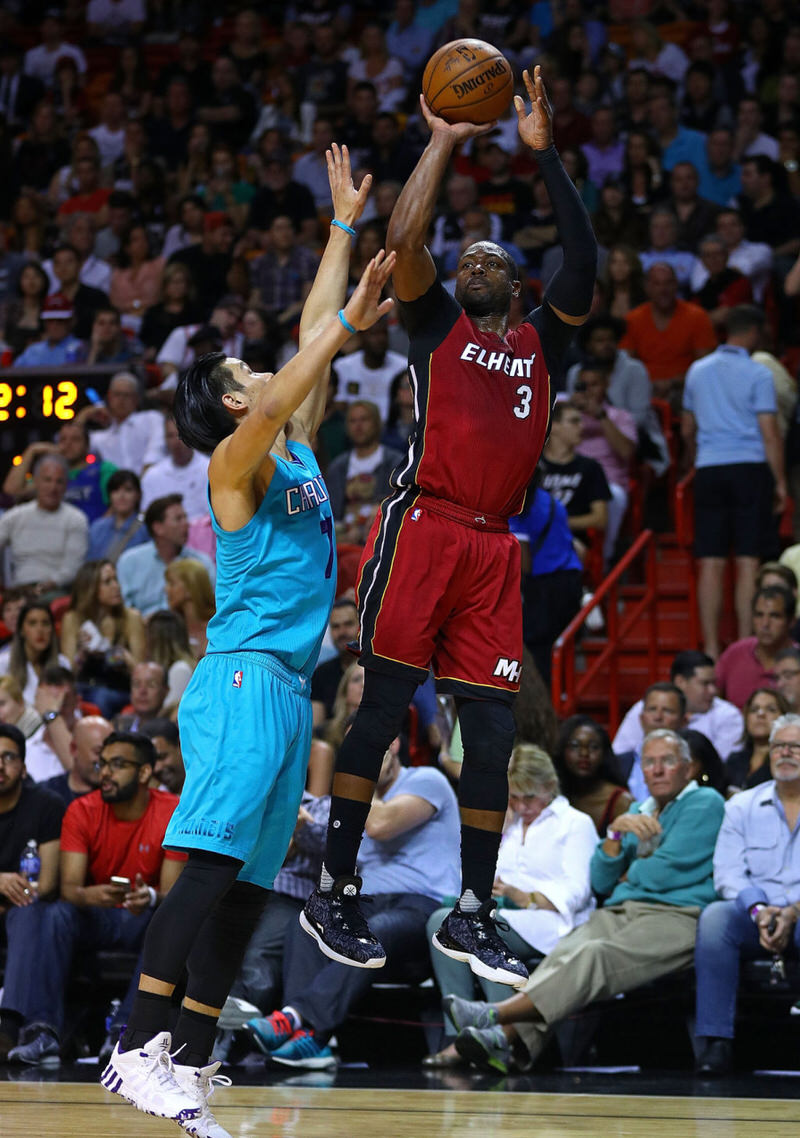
481,405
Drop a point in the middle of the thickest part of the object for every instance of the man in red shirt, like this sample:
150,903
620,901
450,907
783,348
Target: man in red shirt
113,875
666,333
749,663
91,196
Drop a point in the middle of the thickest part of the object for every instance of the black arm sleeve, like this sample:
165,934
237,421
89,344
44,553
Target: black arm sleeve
572,287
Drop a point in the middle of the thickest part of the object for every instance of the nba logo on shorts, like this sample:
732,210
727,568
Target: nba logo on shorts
416,514
237,678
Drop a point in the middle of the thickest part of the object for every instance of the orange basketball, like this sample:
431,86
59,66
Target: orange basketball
468,81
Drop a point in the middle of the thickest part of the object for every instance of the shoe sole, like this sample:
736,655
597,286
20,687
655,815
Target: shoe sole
237,1018
332,954
474,1052
185,1115
311,1064
498,975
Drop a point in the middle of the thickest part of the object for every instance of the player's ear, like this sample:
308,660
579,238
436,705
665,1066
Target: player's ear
516,288
234,401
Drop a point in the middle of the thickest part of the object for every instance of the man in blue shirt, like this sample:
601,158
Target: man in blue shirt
730,420
720,176
409,863
757,874
141,570
59,346
654,870
551,575
678,143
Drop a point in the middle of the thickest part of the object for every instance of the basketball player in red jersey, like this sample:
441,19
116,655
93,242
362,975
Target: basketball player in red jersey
439,580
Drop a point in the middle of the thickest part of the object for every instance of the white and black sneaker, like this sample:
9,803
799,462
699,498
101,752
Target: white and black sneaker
145,1077
473,938
200,1083
336,922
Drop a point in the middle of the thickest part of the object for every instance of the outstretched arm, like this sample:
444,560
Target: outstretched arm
237,459
569,293
411,217
330,284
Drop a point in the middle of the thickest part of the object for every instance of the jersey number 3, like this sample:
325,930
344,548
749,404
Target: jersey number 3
523,409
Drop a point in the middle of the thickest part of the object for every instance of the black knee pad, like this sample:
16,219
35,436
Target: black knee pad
487,732
378,721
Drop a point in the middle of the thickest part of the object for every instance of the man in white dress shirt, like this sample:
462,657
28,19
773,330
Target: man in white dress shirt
131,439
719,720
47,538
368,373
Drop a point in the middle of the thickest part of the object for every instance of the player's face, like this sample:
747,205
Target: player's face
484,286
251,381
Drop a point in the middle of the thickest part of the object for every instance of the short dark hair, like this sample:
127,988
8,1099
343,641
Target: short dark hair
58,676
669,689
778,570
65,247
165,728
601,320
560,406
686,664
511,264
200,417
744,317
9,731
145,751
774,593
157,510
344,602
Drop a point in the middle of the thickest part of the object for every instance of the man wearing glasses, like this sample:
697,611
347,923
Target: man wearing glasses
654,869
109,836
757,875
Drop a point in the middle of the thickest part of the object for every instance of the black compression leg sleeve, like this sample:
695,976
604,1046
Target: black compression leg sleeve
213,965
378,721
205,879
572,287
487,731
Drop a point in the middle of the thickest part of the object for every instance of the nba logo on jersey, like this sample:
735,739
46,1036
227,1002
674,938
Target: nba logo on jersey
416,514
237,678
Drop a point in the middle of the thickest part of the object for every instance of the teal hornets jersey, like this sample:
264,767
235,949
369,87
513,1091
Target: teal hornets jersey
276,576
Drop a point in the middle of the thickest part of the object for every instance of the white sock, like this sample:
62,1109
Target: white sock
325,880
468,902
293,1017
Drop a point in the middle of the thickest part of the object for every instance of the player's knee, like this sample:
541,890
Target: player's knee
487,731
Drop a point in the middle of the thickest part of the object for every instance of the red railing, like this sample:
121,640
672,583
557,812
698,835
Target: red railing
684,533
569,687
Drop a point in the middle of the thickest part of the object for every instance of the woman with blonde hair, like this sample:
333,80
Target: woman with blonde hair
191,595
14,709
168,645
542,881
102,637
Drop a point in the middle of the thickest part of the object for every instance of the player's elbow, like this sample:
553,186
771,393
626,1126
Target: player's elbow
403,237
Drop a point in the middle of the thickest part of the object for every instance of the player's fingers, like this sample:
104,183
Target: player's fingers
520,108
385,306
529,87
345,160
366,182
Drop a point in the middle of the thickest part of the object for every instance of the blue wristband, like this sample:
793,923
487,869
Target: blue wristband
341,225
346,323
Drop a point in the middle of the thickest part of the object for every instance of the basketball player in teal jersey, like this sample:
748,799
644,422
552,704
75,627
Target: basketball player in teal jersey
245,718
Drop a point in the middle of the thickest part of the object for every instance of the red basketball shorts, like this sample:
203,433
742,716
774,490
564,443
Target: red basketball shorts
439,584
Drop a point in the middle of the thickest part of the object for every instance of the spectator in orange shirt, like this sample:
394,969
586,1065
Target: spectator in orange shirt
667,334
90,197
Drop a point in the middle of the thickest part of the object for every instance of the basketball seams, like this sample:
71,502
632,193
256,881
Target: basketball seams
462,76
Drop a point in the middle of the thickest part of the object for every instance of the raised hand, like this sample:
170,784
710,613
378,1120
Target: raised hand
365,306
535,126
348,202
460,131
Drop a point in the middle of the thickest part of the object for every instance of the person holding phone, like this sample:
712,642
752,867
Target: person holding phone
114,873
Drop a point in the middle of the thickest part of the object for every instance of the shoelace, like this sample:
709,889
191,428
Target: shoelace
355,917
211,1082
162,1067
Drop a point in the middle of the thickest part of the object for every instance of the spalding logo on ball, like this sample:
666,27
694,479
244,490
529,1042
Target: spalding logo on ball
468,81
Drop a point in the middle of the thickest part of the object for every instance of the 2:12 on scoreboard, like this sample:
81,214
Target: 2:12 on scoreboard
48,401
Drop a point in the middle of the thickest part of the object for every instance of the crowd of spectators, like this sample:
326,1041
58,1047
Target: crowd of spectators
166,195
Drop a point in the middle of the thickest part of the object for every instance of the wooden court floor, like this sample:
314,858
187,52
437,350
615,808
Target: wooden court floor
84,1110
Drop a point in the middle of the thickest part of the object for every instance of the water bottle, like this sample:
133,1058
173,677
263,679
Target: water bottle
30,864
112,1019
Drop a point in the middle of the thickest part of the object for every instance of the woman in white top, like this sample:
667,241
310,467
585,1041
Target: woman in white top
33,648
542,875
168,645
